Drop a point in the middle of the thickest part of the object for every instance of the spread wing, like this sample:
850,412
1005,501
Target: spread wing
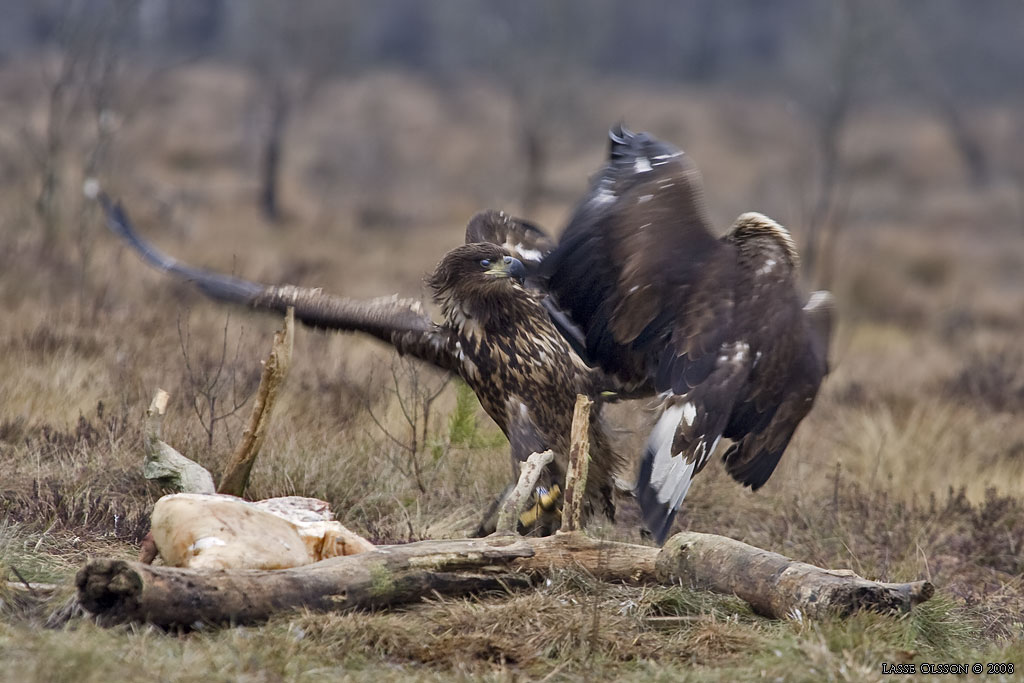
399,322
640,272
685,436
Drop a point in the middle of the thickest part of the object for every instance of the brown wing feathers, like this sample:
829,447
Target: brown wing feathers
665,305
636,251
522,239
400,322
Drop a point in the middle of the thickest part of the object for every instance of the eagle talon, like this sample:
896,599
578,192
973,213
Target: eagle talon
545,513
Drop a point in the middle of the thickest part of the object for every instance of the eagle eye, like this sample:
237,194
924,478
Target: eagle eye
485,263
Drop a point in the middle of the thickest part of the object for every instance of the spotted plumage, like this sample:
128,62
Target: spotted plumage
522,369
495,334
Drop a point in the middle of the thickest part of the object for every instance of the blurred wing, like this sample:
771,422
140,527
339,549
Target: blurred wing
640,272
752,459
214,285
400,322
522,239
820,311
780,394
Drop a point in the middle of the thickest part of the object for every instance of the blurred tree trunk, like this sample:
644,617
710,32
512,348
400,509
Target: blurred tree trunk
919,53
273,150
831,115
535,162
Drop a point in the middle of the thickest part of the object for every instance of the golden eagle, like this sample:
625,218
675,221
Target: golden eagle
637,299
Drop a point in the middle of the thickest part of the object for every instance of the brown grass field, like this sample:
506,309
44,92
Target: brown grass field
910,466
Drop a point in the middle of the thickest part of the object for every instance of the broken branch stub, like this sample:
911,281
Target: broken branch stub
516,499
275,369
579,460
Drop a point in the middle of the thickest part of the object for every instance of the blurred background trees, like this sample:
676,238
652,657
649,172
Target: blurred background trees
826,61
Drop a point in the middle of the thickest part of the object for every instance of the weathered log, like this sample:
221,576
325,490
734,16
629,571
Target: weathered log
163,464
275,369
579,460
118,591
777,586
605,560
515,501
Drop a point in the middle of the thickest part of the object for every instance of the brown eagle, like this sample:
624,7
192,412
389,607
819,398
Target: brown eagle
715,326
495,335
637,299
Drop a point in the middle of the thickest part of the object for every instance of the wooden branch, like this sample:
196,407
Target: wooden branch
163,464
118,591
777,586
605,560
33,590
579,460
275,368
515,501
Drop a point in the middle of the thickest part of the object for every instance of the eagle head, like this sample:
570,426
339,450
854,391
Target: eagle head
475,279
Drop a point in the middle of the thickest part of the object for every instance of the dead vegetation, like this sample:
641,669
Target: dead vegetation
911,464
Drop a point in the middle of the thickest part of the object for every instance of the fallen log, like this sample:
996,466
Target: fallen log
118,591
776,586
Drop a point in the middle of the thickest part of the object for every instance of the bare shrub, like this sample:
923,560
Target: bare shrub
993,378
215,387
414,389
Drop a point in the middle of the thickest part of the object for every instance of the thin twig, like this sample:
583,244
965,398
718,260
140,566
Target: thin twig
275,369
22,578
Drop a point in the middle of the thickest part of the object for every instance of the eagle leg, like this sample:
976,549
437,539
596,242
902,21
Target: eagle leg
542,518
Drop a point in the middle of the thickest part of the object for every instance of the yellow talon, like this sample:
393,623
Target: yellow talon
550,499
545,503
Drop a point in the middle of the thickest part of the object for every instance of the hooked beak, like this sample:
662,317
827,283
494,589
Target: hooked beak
509,267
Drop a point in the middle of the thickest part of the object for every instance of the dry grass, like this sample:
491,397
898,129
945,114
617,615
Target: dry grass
911,464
